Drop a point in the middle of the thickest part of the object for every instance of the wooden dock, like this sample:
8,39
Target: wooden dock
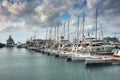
99,62
105,53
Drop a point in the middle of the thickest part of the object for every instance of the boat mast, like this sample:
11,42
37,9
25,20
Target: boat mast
78,29
101,33
46,34
96,28
58,32
83,26
55,33
96,23
64,30
50,33
99,36
68,31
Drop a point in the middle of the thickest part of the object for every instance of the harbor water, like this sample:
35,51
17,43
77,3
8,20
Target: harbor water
22,64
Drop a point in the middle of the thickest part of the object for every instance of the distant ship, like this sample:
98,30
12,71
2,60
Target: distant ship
10,42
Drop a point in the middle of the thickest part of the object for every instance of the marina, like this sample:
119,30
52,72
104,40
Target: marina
59,39
51,59
84,57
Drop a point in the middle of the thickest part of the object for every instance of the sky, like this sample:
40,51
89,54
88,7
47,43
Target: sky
25,18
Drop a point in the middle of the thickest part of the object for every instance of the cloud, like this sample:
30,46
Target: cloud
92,3
9,26
108,13
108,6
47,13
14,10
33,15
12,14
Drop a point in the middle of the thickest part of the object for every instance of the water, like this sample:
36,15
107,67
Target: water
21,64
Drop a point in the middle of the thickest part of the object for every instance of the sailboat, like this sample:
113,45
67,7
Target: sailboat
81,56
97,61
86,51
64,44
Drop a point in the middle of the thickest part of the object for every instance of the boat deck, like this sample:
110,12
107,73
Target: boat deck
114,58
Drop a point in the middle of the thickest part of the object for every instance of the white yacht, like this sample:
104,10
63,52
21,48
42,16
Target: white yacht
117,53
80,57
83,52
66,53
53,51
67,50
62,49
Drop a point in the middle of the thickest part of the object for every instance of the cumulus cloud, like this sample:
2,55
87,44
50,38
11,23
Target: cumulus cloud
108,14
10,10
12,25
34,14
48,12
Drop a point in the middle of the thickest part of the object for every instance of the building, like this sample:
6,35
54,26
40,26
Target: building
2,45
10,42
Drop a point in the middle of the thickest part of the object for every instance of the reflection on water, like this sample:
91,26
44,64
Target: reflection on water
22,64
